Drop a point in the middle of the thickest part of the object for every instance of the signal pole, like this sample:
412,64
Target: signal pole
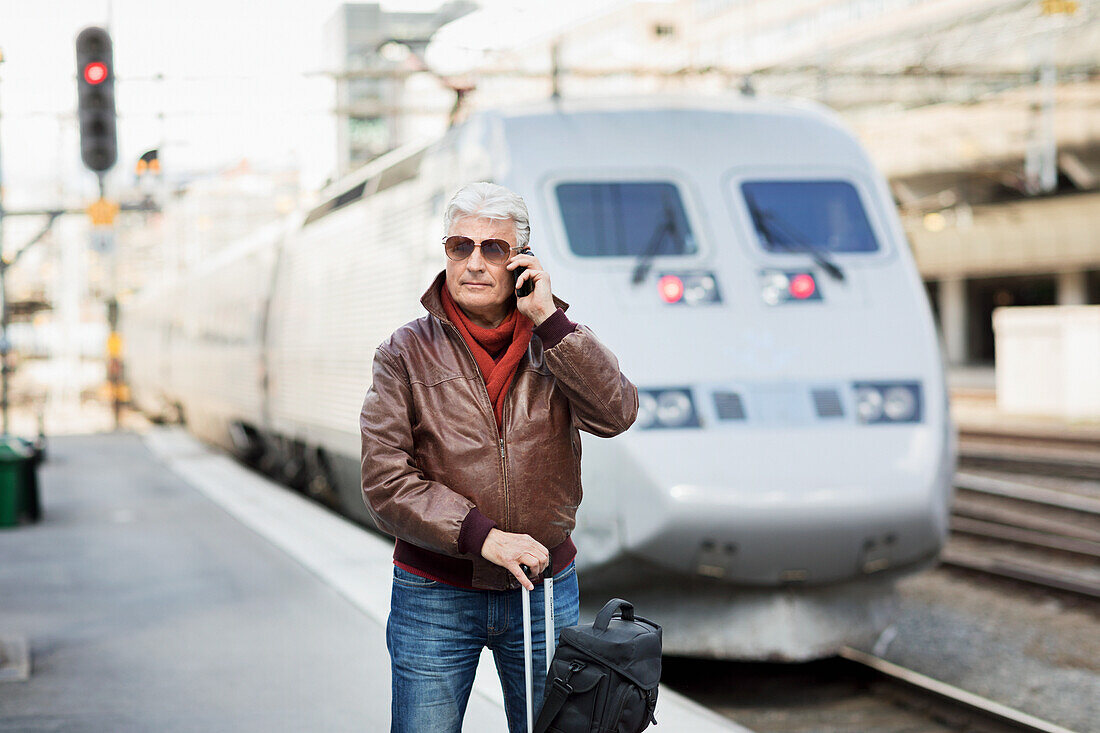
1041,158
99,150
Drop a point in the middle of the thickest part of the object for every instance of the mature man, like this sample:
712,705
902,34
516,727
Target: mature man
471,459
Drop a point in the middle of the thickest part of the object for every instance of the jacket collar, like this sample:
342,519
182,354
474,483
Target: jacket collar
433,302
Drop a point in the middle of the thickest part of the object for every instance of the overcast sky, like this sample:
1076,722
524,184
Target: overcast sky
241,80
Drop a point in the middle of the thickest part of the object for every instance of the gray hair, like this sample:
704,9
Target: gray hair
489,201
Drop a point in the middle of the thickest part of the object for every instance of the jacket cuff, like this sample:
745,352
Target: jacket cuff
475,528
554,329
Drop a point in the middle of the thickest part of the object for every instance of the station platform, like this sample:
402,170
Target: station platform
168,588
974,409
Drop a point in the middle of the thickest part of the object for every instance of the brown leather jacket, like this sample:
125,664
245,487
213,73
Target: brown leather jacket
432,452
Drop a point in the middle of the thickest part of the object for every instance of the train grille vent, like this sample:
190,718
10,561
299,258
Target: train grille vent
827,402
729,406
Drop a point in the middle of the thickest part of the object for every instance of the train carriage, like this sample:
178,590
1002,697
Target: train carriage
744,260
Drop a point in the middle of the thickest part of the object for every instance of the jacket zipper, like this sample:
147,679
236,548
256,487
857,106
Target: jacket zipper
492,417
503,462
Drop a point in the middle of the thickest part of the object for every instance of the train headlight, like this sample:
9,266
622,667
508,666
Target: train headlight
868,404
779,286
775,287
671,288
802,286
666,408
899,403
689,288
888,402
673,409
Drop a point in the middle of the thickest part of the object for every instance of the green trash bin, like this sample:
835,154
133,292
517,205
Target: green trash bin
16,467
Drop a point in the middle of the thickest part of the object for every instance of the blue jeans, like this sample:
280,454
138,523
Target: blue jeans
435,635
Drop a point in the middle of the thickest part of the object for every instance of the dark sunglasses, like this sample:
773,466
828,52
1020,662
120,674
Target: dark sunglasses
493,250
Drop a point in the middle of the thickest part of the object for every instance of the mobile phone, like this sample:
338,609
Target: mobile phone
528,287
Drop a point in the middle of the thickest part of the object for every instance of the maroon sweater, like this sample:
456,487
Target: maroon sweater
458,571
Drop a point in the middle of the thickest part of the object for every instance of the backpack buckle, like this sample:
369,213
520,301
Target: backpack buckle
563,685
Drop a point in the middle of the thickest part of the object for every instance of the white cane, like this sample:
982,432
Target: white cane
527,654
548,605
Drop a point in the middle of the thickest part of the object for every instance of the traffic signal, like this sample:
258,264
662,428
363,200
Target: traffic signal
149,162
95,82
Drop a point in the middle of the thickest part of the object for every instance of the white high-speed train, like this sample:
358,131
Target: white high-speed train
793,452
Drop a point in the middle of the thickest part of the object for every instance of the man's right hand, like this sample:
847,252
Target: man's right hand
510,550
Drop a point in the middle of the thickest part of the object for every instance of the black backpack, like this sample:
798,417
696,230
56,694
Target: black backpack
603,678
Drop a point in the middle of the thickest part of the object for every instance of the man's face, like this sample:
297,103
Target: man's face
483,289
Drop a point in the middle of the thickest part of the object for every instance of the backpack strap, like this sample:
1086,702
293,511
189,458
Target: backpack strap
560,690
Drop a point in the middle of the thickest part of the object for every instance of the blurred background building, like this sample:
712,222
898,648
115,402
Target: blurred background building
984,116
372,54
200,218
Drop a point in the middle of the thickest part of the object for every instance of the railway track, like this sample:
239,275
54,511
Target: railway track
1037,453
854,691
948,703
1027,507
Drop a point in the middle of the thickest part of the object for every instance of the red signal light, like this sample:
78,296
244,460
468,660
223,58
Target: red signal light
671,288
95,72
802,286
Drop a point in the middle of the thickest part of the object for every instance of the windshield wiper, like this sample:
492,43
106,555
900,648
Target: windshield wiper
667,225
792,241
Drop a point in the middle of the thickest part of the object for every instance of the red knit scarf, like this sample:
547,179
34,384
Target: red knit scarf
499,370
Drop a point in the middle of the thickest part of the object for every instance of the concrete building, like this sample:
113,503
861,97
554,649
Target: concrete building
372,58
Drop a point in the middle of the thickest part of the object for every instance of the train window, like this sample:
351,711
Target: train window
351,195
794,215
625,219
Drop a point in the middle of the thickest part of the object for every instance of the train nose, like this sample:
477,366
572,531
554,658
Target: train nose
748,510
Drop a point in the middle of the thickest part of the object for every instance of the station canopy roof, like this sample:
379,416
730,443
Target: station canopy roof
931,87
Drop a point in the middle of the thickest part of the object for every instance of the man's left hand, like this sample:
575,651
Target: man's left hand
539,305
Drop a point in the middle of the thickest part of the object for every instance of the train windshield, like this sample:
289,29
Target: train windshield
826,216
625,219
